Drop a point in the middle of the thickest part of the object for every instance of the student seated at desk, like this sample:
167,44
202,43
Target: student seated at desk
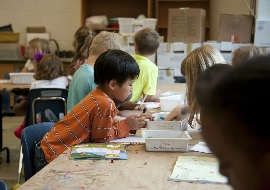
235,123
192,66
146,44
49,74
245,53
93,118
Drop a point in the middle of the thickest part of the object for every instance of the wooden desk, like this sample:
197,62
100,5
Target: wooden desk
10,87
172,87
142,170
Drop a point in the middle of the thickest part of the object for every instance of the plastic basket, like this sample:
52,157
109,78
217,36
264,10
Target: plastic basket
21,78
164,140
170,102
129,26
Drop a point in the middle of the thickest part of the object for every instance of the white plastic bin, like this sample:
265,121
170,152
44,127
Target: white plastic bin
164,140
158,124
170,102
129,26
21,78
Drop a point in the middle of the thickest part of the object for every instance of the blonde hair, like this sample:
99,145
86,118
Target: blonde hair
245,53
106,40
82,41
50,67
41,45
192,66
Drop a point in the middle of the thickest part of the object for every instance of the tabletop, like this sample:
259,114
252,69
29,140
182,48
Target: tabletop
7,86
142,170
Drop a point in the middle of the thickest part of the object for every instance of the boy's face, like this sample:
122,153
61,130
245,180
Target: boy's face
121,93
242,172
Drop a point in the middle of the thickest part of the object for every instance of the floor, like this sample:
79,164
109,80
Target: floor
9,171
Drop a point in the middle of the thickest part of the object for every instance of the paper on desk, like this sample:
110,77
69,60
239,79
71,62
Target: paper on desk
150,104
197,169
131,139
5,81
201,147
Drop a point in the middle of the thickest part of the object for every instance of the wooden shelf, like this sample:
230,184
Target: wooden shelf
106,29
116,8
162,7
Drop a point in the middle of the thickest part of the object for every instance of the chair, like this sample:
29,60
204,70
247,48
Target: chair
3,185
30,136
39,101
42,99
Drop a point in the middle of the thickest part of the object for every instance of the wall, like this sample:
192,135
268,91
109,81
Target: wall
60,17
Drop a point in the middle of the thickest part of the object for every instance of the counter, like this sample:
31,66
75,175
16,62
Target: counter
17,65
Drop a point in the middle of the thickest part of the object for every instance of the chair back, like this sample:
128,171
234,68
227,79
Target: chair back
42,99
3,185
32,135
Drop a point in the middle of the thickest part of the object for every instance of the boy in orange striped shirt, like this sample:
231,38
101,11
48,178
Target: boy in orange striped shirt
92,119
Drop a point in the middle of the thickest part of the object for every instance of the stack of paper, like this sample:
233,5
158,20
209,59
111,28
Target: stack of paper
197,169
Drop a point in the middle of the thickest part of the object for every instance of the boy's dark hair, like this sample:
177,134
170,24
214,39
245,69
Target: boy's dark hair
240,101
207,79
50,67
147,41
115,64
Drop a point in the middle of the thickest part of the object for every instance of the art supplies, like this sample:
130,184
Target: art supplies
197,169
97,151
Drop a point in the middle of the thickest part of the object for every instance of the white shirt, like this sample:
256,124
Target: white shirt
61,82
29,64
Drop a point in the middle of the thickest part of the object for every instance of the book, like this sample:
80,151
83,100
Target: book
197,170
97,151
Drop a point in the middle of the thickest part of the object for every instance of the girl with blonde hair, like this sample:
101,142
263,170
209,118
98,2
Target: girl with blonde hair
36,45
192,66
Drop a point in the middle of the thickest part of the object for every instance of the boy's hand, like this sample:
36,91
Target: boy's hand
147,116
135,122
140,108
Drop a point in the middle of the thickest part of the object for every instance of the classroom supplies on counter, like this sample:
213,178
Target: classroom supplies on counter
97,151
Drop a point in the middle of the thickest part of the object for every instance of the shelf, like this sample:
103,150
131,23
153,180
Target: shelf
116,8
106,29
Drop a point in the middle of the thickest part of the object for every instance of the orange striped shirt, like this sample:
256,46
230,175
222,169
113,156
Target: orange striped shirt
91,120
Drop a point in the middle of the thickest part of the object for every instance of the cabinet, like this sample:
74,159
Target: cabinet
115,8
162,7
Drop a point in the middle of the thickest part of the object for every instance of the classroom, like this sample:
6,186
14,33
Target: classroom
182,27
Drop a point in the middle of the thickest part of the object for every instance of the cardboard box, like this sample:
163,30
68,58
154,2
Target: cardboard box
238,25
186,25
165,75
262,33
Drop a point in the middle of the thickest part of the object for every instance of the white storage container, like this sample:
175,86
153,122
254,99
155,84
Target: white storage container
170,102
129,26
164,140
21,78
165,94
10,51
168,125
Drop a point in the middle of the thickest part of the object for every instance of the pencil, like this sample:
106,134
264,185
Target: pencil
145,97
